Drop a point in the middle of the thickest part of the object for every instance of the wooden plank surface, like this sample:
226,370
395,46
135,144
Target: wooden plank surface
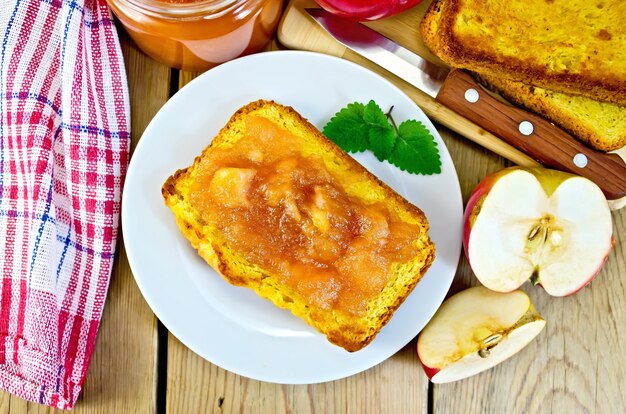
576,365
197,386
122,374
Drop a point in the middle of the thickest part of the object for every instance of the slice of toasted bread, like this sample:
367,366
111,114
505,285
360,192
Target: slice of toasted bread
601,125
571,46
348,329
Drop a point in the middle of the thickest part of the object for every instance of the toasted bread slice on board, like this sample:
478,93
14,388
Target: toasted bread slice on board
601,125
571,46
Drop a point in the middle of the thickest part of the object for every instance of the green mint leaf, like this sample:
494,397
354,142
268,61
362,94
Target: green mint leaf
348,128
382,141
416,150
373,115
410,147
382,136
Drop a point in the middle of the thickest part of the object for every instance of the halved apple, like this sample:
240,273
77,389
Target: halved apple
475,330
533,223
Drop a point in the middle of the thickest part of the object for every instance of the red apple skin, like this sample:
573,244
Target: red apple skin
366,9
430,372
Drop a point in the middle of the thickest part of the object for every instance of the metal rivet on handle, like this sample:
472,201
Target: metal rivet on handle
471,95
580,160
526,128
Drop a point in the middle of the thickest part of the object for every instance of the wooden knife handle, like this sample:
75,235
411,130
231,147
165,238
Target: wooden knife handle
532,134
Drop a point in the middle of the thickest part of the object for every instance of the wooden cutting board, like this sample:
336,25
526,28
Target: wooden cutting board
298,31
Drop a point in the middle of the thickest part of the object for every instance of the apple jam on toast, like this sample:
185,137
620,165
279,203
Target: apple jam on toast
275,206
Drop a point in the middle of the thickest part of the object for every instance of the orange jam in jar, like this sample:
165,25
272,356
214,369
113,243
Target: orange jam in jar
197,35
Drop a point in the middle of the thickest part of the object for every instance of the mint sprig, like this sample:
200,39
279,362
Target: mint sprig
410,147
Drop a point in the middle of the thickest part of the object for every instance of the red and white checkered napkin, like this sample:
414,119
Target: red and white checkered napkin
64,141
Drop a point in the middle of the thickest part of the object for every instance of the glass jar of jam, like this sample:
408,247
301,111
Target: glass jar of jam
197,35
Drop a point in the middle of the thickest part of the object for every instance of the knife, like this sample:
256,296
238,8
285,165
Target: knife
457,90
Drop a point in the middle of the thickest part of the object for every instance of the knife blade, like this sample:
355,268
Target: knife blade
459,91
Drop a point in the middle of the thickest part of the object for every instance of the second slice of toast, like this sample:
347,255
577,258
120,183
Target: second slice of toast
571,46
601,125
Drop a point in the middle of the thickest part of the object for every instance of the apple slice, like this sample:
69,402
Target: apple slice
533,223
475,330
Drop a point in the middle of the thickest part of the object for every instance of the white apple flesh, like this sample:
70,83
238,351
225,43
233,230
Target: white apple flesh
475,330
533,223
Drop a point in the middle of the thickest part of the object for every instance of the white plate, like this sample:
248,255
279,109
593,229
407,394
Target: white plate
231,326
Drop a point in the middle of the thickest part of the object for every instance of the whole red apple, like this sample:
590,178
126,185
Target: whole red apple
366,9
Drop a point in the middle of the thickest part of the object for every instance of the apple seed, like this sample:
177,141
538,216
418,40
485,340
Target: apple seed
489,343
533,232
